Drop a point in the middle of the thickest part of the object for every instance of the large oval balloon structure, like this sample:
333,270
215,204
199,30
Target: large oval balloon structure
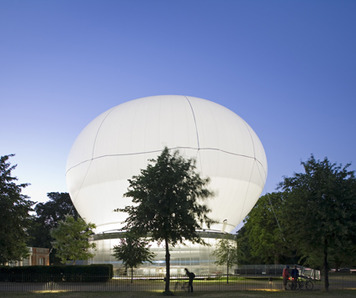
118,143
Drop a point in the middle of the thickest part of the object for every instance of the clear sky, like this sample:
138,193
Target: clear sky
286,67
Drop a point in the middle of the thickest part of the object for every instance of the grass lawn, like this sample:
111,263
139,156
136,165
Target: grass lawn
239,287
222,294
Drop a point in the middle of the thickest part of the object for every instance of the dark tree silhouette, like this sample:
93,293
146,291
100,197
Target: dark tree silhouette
168,199
322,209
15,218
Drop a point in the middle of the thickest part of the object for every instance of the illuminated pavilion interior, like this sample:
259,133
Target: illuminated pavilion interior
198,258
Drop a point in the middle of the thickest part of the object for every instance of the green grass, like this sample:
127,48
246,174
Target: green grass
203,288
222,294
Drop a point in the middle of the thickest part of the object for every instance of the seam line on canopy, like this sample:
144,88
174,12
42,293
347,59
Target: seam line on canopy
172,148
195,121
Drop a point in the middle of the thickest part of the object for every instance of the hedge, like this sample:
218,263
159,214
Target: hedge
75,273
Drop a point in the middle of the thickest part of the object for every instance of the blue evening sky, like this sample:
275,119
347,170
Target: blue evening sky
286,67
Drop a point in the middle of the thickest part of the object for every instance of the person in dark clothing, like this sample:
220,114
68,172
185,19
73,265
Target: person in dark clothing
295,275
191,276
295,272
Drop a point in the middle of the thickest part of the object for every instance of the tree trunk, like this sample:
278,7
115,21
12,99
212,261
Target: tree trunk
168,276
227,272
326,266
131,274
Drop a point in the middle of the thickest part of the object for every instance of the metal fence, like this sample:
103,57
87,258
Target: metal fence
177,284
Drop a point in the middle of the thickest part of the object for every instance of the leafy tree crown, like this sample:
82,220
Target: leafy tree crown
71,239
15,217
168,200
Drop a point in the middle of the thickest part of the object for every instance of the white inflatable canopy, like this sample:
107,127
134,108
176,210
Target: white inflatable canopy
119,142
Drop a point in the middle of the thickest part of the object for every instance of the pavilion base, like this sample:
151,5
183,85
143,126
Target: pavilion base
196,257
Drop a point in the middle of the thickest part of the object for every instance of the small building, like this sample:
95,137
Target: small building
38,256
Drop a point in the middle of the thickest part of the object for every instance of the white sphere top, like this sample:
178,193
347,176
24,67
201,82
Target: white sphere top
118,143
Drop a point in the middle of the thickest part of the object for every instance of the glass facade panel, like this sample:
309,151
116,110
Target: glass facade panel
198,258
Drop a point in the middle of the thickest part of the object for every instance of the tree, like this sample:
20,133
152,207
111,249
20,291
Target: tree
133,251
48,215
71,239
244,248
343,256
322,210
55,209
226,254
168,202
14,214
267,240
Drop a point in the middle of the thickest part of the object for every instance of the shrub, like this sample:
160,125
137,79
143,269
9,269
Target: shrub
81,273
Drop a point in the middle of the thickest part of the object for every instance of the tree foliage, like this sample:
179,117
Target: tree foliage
48,215
244,248
168,202
133,251
311,220
226,254
268,243
321,210
55,209
71,239
14,214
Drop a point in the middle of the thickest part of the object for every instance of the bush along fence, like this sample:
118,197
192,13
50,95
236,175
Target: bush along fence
86,273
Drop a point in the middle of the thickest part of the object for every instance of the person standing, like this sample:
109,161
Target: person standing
191,277
295,275
285,275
